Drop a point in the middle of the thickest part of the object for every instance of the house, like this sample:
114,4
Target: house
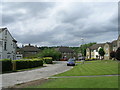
7,45
92,52
118,41
66,52
28,50
19,56
108,48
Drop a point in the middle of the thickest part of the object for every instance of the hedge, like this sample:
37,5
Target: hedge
24,64
6,65
48,60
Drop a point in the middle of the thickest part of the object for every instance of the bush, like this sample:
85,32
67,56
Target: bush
6,65
93,59
112,54
48,60
87,59
117,55
24,64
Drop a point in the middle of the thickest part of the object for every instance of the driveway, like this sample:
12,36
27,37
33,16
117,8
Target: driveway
11,79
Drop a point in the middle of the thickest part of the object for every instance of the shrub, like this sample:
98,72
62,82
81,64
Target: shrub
6,65
48,60
112,54
24,64
87,59
93,58
117,55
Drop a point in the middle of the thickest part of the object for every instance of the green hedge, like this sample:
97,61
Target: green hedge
48,60
24,64
6,65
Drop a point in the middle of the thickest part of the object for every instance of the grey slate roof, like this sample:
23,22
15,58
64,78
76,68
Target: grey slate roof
30,48
96,46
65,50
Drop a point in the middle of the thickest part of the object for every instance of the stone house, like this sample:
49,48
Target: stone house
118,41
111,46
7,45
108,48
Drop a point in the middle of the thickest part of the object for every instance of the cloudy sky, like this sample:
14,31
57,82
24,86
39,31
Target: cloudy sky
61,23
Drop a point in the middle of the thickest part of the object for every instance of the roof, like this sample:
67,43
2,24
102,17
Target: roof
2,29
65,50
96,46
114,42
30,48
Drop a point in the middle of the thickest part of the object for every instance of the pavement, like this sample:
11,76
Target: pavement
11,79
85,76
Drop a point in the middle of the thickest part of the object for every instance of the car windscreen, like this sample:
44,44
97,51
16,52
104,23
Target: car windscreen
71,60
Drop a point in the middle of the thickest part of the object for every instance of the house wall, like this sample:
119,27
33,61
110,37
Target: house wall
118,42
88,55
96,54
67,55
1,45
107,49
10,51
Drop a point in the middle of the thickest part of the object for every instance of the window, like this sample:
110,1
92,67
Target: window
14,45
5,32
1,43
5,46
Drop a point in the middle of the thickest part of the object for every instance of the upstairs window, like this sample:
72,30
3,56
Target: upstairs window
5,46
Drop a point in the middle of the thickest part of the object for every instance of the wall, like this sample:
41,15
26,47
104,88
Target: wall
10,52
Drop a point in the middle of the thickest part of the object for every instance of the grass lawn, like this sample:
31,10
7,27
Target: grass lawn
90,68
99,67
81,82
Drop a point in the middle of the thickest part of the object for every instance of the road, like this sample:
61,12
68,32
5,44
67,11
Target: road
11,79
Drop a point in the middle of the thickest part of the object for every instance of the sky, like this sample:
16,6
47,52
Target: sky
61,23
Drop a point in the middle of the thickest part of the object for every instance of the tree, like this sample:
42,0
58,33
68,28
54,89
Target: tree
84,47
112,54
117,55
56,55
101,52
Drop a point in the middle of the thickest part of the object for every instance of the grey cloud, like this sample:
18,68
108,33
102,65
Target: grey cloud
32,10
78,21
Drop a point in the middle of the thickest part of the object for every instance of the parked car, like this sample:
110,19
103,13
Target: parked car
81,58
71,62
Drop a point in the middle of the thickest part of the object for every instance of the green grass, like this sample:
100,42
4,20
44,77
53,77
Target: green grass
93,68
81,82
90,68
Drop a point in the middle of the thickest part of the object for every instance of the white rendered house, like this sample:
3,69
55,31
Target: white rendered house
7,45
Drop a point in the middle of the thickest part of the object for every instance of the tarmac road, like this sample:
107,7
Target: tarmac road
11,79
